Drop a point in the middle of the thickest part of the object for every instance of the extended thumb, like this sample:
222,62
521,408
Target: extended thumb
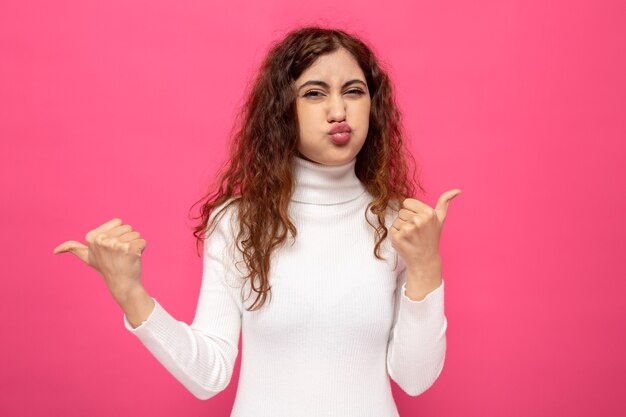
74,247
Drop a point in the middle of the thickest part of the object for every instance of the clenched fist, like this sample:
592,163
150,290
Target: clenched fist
114,250
416,231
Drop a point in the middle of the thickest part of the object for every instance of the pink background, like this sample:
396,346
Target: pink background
121,109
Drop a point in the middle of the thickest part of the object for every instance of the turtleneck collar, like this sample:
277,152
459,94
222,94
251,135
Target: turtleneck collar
325,184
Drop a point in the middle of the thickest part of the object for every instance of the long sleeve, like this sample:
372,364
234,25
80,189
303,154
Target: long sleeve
417,344
202,355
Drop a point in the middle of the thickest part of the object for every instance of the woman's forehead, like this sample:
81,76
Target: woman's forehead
334,68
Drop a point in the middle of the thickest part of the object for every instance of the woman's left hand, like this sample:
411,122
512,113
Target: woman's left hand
416,231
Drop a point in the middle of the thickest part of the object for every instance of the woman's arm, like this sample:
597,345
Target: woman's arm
417,345
202,355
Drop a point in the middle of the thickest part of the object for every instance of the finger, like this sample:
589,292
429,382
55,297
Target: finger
103,228
74,247
444,201
397,223
119,230
415,205
130,236
411,216
405,214
138,246
393,233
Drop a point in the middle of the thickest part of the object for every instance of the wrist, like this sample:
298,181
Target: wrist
131,296
427,269
137,306
422,280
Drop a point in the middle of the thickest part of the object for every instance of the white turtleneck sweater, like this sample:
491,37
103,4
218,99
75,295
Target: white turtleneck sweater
337,326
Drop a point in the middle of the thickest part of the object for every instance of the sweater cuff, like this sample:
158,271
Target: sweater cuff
431,305
150,318
160,331
430,294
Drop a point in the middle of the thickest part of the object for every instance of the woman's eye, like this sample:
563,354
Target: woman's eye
315,93
312,94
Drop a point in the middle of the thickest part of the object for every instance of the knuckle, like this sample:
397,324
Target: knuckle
123,247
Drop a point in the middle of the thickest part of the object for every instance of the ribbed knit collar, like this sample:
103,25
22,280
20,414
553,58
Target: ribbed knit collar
325,184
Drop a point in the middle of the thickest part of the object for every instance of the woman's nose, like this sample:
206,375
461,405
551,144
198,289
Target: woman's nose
337,108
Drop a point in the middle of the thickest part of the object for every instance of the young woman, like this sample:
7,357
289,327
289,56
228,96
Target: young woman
314,209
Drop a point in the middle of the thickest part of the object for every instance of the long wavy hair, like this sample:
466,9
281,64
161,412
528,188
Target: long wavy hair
258,177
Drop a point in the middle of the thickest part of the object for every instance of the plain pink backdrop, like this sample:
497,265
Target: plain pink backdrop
122,109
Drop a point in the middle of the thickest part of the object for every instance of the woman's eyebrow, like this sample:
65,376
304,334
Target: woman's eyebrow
325,84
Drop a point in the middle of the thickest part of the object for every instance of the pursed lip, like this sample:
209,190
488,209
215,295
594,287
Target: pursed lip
340,127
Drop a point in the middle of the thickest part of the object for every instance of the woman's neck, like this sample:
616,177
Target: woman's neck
325,184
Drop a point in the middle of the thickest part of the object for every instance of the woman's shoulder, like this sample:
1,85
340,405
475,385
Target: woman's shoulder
224,216
228,207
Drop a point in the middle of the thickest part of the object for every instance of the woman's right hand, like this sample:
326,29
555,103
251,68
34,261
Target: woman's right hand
114,250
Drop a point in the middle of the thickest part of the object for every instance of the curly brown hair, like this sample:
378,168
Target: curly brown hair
258,176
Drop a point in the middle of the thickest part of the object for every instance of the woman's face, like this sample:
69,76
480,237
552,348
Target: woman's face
332,93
